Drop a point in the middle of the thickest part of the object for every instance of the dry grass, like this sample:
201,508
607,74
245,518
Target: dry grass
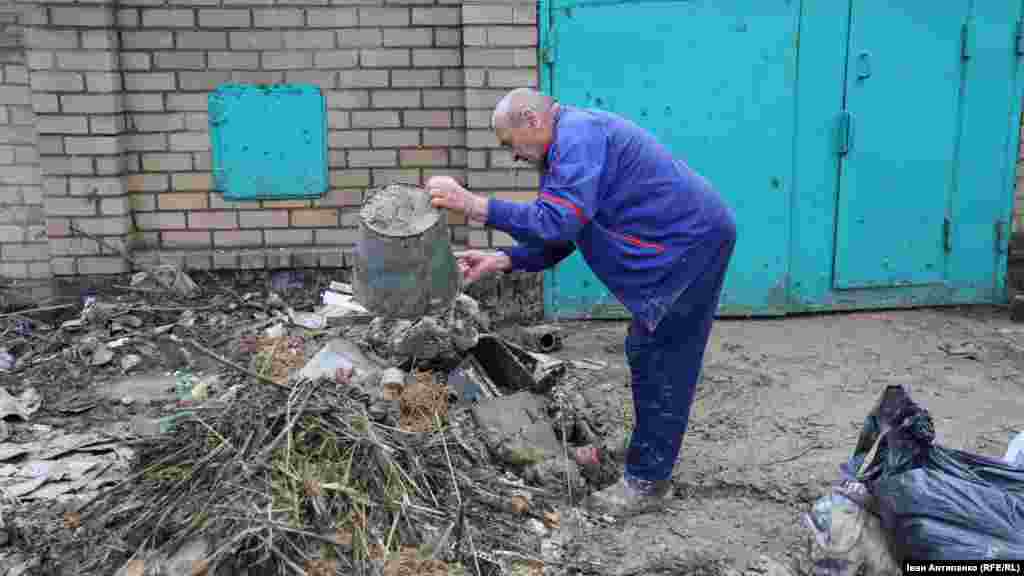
421,401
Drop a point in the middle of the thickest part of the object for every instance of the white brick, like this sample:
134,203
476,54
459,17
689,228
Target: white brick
99,40
202,81
132,61
415,78
96,187
309,39
409,37
106,125
287,60
396,99
335,59
62,125
153,142
488,14
204,40
187,102
350,79
15,96
234,60
157,122
144,102
181,60
348,99
384,58
147,40
435,16
257,40
46,38
436,58
360,38
81,16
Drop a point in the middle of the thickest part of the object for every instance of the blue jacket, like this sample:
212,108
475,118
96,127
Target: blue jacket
645,223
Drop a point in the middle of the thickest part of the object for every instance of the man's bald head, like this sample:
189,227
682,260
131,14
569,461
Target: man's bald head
516,108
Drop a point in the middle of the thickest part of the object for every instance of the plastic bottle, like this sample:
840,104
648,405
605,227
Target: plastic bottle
1015,451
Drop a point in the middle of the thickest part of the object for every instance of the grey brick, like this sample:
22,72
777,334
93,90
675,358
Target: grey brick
443,98
338,120
526,14
436,58
224,18
39,60
335,59
415,78
106,125
526,57
288,237
348,79
87,60
372,158
62,124
512,36
46,38
180,18
349,139
190,141
384,58
408,37
204,40
58,82
144,102
25,252
309,39
435,16
348,99
278,18
103,82
287,60
133,61
396,99
479,118
148,40
91,145
169,162
111,165
443,138
187,102
360,38
331,18
395,138
160,221
128,18
447,37
326,81
90,103
375,119
197,122
234,60
149,81
180,60
485,99
195,81
384,16
457,78
257,77
64,165
513,78
53,145
427,118
490,58
257,40
475,36
385,176
67,206
491,179
488,14
93,17
147,183
263,218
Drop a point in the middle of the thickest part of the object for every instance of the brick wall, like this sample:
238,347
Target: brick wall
119,91
24,253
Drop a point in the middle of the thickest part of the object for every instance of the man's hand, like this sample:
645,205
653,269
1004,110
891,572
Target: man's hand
475,264
445,192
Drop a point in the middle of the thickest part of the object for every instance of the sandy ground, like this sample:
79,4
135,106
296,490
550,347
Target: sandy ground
780,408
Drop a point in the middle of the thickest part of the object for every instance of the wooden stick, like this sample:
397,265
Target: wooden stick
199,347
123,254
33,310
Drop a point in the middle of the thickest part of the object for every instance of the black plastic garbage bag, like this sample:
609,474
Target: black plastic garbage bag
936,503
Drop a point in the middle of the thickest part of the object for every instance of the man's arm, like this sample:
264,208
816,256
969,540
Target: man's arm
537,256
568,200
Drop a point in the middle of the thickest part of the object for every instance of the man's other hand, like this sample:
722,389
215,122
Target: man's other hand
475,264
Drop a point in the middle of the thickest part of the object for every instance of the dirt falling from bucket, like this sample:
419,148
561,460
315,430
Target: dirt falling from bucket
398,210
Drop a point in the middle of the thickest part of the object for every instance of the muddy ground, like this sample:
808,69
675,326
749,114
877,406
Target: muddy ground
781,406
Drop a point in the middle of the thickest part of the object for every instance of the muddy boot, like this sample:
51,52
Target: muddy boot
629,497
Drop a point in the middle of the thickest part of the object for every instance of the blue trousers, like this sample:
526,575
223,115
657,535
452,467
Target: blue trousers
666,366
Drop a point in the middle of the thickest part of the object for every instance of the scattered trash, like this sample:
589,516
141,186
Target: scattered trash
310,320
542,338
23,406
6,360
130,361
935,502
969,350
100,355
275,331
1015,451
286,280
848,539
61,464
340,354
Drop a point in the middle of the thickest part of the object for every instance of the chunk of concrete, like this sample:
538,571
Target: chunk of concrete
516,430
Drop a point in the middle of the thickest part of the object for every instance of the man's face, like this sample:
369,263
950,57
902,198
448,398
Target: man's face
528,142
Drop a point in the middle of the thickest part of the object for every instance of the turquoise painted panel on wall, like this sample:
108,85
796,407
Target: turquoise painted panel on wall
268,142
890,166
715,82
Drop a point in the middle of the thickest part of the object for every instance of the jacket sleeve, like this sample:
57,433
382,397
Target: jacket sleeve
537,256
568,199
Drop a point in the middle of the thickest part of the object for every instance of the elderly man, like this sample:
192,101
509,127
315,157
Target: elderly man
650,228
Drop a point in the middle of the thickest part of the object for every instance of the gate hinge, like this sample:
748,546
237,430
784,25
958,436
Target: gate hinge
947,234
1000,236
1020,38
966,30
844,135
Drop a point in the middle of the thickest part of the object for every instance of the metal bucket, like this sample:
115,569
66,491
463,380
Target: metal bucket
404,265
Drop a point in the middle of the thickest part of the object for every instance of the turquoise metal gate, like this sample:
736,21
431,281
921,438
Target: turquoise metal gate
867,149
